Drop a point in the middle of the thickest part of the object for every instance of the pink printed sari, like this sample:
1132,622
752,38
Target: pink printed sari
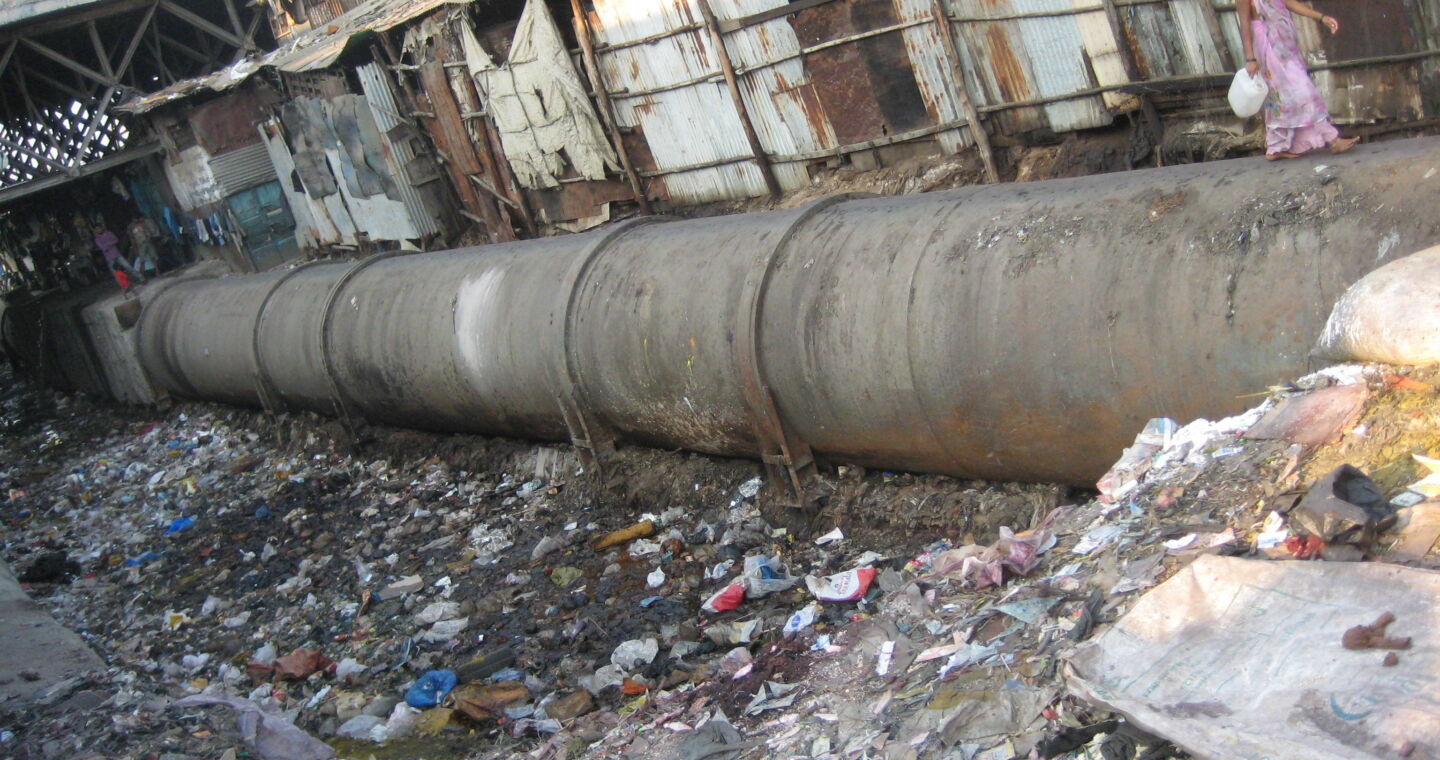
1296,119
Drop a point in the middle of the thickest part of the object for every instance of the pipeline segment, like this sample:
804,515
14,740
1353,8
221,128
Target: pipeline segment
1019,332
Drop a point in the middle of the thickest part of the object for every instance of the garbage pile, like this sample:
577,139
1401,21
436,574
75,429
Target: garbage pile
299,600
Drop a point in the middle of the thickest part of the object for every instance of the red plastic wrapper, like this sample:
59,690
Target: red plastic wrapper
726,599
1304,547
842,587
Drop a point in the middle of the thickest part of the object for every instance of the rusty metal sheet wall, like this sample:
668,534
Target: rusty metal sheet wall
781,98
686,126
1021,59
848,72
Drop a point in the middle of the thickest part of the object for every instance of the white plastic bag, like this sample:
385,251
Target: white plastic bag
1247,94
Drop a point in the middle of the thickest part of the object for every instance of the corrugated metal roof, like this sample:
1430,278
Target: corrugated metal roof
20,11
313,49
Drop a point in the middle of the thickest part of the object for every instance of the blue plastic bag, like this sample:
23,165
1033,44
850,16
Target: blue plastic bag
431,688
179,525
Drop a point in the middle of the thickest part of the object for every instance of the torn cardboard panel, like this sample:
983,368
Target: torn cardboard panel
539,104
1242,659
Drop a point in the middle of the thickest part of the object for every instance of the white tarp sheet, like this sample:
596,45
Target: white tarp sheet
1241,659
539,104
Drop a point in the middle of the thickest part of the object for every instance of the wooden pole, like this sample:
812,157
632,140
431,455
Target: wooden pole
967,104
607,108
763,161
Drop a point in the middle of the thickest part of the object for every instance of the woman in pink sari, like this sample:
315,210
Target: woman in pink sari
1296,120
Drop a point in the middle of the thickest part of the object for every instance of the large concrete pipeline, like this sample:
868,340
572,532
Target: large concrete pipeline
1022,331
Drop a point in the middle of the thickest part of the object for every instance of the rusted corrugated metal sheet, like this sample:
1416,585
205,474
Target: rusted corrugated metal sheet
1378,28
782,99
868,86
1033,58
686,125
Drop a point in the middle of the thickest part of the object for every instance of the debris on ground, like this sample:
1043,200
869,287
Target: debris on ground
392,594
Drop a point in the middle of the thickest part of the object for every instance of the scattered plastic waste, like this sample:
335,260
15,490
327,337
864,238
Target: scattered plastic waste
430,688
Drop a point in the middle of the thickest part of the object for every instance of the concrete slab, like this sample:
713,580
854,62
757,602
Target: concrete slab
35,642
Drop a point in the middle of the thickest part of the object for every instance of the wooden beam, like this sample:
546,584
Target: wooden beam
459,148
250,46
157,52
201,23
606,107
967,104
66,61
73,92
234,19
767,172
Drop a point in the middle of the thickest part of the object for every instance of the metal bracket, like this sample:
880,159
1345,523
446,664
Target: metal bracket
343,405
270,399
787,457
587,433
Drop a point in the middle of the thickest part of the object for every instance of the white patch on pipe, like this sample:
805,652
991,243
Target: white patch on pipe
477,311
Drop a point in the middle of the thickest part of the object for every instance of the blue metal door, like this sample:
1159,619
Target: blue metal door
267,229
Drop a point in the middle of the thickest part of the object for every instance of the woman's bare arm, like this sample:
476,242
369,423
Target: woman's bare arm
1302,9
1247,41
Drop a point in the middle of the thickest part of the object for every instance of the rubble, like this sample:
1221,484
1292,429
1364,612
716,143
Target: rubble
466,599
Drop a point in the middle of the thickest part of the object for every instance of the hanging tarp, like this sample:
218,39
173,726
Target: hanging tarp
539,105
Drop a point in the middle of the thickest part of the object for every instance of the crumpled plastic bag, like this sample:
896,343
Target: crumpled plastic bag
1343,507
715,740
635,653
430,688
762,576
986,566
274,737
1136,460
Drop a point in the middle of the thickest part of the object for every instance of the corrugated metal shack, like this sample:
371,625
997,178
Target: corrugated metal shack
527,117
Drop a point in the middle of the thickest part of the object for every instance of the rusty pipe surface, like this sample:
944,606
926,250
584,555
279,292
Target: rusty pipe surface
1020,332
